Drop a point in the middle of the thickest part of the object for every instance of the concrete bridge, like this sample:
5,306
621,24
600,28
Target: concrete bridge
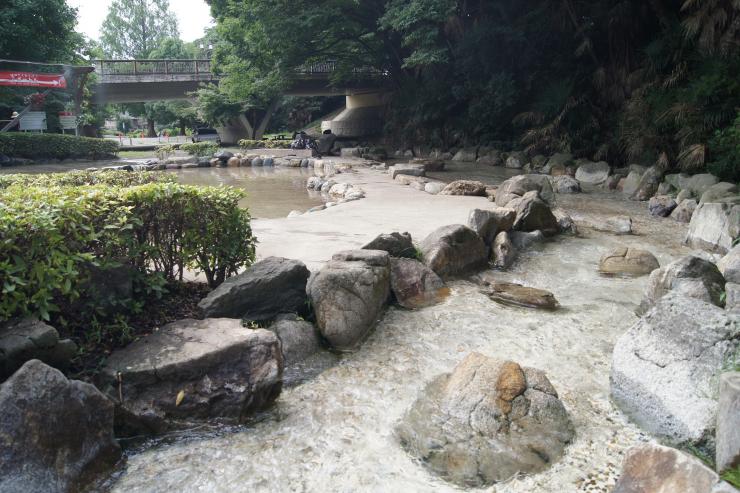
130,81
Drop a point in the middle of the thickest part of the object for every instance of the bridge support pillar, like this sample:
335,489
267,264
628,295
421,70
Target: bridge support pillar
362,116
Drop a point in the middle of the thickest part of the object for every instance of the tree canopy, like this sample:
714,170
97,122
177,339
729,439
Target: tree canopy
39,31
622,80
135,28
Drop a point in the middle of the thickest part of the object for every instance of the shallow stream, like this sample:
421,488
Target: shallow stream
335,432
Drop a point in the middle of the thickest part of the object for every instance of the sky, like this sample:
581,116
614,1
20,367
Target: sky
193,16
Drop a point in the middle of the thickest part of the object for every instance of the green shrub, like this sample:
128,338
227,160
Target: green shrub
724,150
55,146
52,234
82,178
264,144
200,149
165,151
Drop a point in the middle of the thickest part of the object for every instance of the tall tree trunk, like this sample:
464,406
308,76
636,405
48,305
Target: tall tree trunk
182,127
150,128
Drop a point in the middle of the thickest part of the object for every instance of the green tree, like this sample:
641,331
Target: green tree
134,28
39,31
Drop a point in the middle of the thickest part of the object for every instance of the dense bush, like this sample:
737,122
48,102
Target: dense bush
53,234
724,150
264,144
55,146
82,178
200,149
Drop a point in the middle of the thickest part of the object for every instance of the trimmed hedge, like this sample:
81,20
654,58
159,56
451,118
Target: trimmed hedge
53,234
264,144
87,178
200,149
55,146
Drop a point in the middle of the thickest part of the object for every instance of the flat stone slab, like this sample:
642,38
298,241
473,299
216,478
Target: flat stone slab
515,294
193,370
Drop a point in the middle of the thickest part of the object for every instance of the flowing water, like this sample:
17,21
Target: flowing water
335,432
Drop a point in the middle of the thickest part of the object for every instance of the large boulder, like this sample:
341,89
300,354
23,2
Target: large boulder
684,211
653,468
349,294
516,160
266,289
326,143
485,422
729,265
415,285
628,261
453,251
620,225
697,184
465,187
407,169
525,240
27,339
396,244
629,187
56,435
565,184
691,276
728,421
516,187
661,205
714,227
467,154
489,223
503,252
298,339
665,368
191,371
558,160
593,173
720,192
648,185
533,214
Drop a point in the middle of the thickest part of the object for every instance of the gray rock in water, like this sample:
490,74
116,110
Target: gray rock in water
468,154
27,339
692,276
697,184
593,173
629,187
415,285
533,214
56,435
728,421
434,187
407,169
621,225
489,223
266,289
485,422
298,339
628,261
729,265
503,251
453,251
714,227
396,244
559,160
565,222
653,468
516,160
649,183
684,211
661,205
665,368
518,186
523,241
349,294
566,184
191,371
509,293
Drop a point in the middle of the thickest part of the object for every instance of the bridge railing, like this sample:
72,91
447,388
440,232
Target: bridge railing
328,67
152,67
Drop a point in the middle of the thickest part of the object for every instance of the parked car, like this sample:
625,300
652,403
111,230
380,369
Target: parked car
204,134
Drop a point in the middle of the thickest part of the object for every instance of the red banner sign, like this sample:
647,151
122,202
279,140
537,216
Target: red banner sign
29,79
